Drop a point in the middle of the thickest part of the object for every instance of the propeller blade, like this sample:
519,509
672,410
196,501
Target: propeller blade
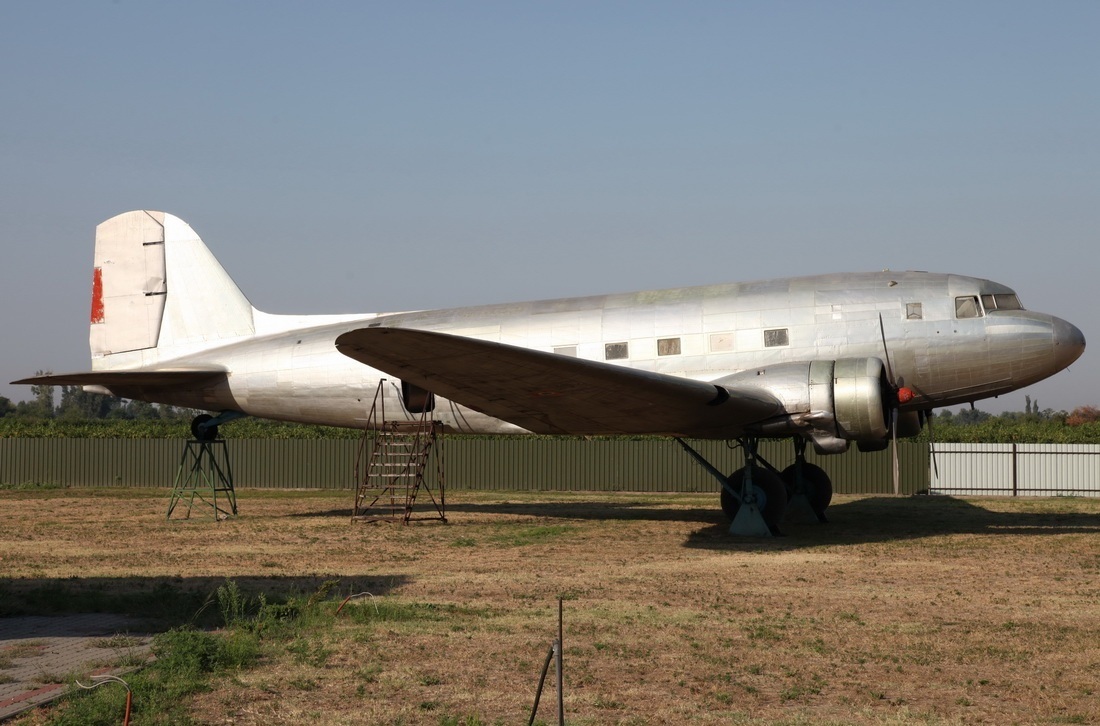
886,353
932,442
895,405
894,451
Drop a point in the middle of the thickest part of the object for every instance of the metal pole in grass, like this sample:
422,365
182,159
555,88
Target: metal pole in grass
555,653
542,681
561,696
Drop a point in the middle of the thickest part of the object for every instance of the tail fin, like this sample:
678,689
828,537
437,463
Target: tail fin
158,293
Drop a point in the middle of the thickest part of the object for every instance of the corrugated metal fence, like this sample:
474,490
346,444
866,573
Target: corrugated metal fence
514,463
523,463
1017,469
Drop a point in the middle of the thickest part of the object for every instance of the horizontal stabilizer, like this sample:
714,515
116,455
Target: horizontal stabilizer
550,393
128,379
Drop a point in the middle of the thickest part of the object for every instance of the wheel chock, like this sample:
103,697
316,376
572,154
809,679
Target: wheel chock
749,522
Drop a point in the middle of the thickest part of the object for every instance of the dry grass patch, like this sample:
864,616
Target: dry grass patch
902,611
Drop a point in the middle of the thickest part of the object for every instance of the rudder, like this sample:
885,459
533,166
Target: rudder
158,292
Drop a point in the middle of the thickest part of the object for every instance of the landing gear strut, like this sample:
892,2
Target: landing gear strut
755,496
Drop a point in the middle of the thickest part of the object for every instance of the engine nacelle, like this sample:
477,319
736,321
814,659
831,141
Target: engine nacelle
416,399
831,402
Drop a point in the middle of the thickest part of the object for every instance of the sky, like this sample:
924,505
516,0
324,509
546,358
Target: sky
346,157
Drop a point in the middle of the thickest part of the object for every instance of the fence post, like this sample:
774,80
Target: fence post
1015,467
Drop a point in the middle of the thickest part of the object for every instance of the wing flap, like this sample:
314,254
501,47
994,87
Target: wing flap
555,394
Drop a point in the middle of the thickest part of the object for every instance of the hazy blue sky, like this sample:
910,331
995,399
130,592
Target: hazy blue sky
347,157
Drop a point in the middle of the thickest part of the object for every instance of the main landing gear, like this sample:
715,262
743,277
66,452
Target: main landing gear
807,484
756,496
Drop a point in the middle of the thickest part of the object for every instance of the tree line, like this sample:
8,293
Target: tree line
76,413
76,404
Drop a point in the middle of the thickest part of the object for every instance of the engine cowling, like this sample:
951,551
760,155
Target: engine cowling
833,402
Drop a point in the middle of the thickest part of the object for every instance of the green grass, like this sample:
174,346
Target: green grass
187,659
524,536
31,486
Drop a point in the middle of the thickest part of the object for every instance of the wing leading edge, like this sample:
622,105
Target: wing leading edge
549,393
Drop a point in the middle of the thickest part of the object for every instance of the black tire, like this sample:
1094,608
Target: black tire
730,503
203,434
818,487
770,492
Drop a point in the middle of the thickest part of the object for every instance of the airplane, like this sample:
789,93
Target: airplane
824,360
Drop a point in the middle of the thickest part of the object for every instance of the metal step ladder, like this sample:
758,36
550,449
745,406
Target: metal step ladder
397,469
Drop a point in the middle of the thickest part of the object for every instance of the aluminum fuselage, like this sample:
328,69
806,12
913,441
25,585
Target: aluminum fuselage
297,374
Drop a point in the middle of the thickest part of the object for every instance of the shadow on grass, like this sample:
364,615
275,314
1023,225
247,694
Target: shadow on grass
588,509
595,509
887,519
871,519
167,602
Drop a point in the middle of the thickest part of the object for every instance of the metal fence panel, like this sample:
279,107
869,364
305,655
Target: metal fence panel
515,463
1017,470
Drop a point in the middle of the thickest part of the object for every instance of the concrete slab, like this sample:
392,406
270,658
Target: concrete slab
39,653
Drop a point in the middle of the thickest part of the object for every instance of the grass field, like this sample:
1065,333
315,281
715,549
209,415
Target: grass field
901,611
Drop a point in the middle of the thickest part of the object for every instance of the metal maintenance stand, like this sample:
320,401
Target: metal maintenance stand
396,469
203,474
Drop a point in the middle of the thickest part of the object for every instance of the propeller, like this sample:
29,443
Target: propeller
928,416
900,395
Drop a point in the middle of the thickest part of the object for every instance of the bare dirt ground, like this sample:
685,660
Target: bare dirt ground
901,611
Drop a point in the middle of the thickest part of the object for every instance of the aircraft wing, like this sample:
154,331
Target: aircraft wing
549,393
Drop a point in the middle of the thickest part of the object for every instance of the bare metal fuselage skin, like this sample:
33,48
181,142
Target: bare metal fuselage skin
944,355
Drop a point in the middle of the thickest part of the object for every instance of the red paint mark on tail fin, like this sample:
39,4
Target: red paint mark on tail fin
97,295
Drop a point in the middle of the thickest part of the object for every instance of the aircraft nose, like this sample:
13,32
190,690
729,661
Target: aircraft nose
1069,343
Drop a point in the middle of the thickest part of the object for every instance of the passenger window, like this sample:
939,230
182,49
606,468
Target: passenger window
914,311
616,351
720,342
967,307
776,338
668,346
569,350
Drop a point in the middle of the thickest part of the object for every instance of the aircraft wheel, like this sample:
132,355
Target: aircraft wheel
207,434
818,487
730,505
771,495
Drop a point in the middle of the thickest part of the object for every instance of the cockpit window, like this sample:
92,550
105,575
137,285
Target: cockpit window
1001,302
967,307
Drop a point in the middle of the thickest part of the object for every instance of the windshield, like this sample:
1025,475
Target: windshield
1001,302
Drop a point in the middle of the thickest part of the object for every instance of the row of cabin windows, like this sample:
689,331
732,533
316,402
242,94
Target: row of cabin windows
719,342
966,306
671,346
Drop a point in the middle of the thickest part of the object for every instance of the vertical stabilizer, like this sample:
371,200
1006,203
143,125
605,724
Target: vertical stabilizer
158,292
